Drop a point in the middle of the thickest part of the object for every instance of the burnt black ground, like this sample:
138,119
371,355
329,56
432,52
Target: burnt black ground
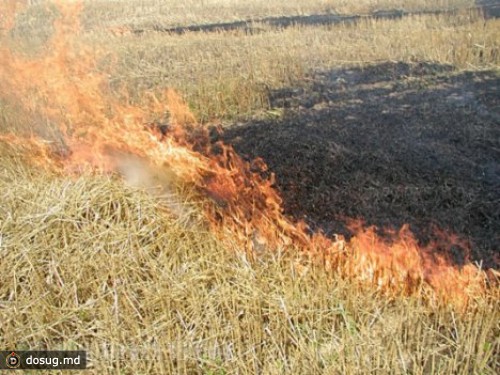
391,144
490,8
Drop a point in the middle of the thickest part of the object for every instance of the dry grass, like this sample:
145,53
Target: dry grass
228,75
88,263
143,13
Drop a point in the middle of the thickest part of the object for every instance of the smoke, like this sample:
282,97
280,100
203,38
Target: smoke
138,173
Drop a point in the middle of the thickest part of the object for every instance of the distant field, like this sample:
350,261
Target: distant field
227,75
175,13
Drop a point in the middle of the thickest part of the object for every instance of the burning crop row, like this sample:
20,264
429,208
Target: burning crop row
103,134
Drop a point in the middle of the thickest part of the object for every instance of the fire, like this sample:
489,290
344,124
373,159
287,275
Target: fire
101,133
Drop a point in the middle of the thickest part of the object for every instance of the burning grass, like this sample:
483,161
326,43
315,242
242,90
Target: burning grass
89,263
206,273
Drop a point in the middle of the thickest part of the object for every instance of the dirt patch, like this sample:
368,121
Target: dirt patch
490,8
392,143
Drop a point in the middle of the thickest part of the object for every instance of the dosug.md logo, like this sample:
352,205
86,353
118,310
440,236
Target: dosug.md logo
13,360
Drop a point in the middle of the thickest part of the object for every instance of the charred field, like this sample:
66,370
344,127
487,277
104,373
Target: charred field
390,144
265,187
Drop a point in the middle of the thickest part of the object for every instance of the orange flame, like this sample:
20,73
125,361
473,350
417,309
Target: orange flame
242,207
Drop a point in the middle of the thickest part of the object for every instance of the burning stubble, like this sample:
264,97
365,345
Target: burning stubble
239,202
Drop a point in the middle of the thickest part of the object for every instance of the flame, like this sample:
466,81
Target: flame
102,133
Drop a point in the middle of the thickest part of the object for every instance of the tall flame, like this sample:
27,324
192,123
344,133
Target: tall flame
65,86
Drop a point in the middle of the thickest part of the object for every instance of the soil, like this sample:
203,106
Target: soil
490,8
390,144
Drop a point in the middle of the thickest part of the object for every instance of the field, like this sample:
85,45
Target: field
265,187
